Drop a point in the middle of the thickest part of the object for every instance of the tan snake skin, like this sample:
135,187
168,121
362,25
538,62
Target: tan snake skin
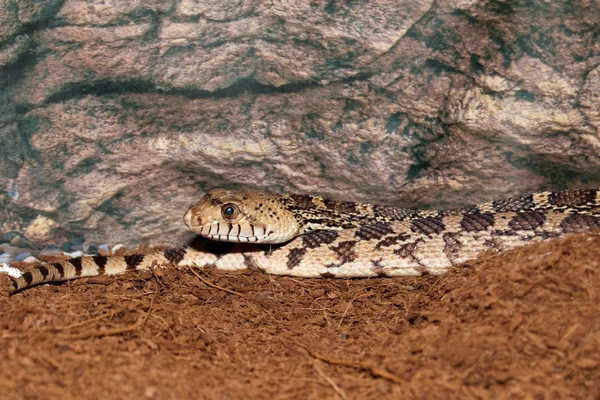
345,240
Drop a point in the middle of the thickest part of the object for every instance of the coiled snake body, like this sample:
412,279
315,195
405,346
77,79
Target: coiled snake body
312,237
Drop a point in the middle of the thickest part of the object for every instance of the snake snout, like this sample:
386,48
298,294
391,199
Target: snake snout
188,219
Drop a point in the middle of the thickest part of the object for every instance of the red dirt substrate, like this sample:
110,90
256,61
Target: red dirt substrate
525,324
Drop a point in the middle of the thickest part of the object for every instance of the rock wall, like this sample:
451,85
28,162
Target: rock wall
116,115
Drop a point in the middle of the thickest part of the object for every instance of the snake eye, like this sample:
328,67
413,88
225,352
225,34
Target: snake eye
230,211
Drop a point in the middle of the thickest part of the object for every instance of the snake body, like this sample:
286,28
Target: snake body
311,237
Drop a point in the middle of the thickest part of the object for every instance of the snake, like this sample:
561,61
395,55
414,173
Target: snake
310,236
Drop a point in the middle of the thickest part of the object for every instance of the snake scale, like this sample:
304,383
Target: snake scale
312,237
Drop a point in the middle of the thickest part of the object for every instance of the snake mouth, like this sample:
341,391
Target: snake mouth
238,233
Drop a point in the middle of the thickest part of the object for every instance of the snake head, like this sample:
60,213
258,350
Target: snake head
232,216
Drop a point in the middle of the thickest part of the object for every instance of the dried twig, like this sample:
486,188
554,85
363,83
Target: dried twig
116,331
87,321
328,379
365,365
212,285
350,305
108,332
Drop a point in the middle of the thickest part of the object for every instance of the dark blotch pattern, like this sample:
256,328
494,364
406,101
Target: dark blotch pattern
514,204
302,202
407,250
27,277
295,257
378,268
452,244
59,268
529,221
101,263
476,222
547,235
393,213
331,204
76,262
493,244
315,239
343,207
250,262
344,250
580,223
43,270
504,232
133,260
327,275
572,198
392,240
375,231
175,255
428,226
348,207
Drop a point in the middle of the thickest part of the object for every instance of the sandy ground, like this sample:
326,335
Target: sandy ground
525,324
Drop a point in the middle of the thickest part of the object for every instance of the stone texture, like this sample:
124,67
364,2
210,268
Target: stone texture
115,116
40,228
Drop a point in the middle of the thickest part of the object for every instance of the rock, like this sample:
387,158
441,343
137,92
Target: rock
40,228
74,254
66,247
23,242
50,252
76,240
76,243
6,258
9,236
22,256
16,241
8,249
